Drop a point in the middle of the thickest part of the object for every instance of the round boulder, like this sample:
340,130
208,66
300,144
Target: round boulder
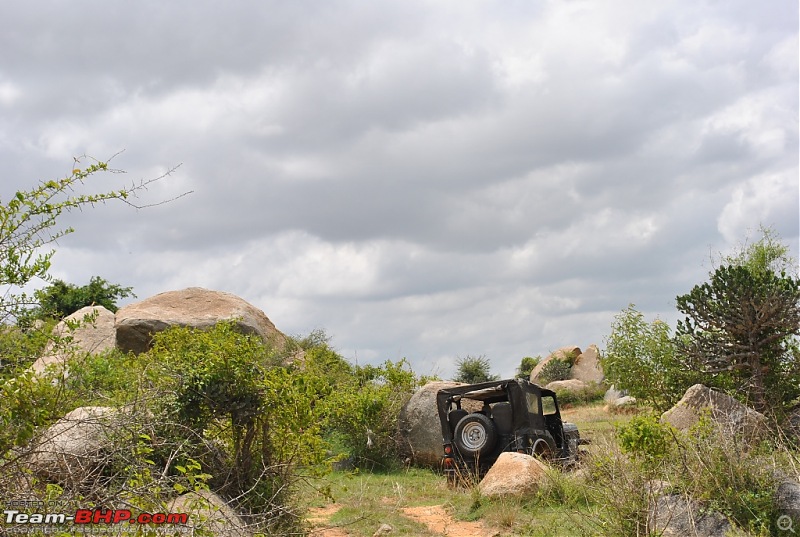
72,450
193,307
208,511
90,331
420,428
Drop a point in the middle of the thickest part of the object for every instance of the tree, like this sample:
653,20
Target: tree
741,326
526,365
29,223
60,299
641,358
474,369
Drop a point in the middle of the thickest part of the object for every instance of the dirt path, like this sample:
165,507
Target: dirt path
434,517
318,517
438,520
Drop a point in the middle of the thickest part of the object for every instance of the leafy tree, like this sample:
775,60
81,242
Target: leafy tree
641,358
60,299
741,326
526,365
474,369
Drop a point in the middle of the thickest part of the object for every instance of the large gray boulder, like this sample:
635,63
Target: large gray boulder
208,511
90,330
193,307
567,354
729,415
587,366
419,426
72,450
513,474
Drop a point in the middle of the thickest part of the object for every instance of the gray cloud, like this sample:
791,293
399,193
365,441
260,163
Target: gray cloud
420,179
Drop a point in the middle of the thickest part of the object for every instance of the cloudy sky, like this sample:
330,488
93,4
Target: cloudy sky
420,179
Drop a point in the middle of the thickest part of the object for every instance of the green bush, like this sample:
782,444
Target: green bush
591,393
646,436
555,370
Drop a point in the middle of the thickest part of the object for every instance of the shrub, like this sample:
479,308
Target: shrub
555,370
647,437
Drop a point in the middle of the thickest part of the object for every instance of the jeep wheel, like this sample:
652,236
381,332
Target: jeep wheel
475,435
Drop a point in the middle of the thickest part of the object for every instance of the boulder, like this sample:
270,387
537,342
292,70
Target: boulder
613,393
513,474
569,353
675,515
587,366
208,511
729,415
420,428
787,497
572,385
71,451
94,334
193,307
624,401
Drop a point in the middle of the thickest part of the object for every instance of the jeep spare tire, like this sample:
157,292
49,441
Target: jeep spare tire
475,435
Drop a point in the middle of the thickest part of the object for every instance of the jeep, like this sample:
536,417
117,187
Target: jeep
505,415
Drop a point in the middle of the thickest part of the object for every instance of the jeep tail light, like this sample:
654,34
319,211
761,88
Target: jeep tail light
448,450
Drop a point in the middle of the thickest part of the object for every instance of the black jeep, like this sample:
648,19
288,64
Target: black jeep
513,415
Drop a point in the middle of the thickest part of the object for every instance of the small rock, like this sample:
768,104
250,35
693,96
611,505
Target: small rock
384,529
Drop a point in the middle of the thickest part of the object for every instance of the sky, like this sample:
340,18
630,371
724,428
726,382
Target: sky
427,180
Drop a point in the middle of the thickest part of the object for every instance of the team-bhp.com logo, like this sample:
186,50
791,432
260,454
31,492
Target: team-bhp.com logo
93,516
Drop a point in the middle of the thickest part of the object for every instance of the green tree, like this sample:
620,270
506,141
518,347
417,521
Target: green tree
474,369
526,365
741,327
641,358
60,299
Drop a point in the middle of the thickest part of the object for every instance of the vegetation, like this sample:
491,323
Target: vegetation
642,358
526,366
474,369
739,331
555,369
60,299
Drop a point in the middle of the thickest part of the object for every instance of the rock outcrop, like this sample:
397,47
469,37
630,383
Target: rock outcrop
729,415
93,334
513,474
193,307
